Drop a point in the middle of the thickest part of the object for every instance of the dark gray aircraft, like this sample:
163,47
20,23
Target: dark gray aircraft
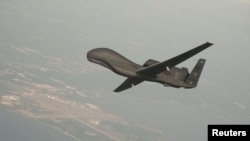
162,72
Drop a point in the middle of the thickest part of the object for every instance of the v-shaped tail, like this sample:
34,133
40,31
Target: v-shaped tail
194,76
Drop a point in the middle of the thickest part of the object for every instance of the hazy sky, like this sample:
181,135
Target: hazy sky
143,29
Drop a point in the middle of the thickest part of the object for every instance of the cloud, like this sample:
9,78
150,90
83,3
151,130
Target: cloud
240,105
244,1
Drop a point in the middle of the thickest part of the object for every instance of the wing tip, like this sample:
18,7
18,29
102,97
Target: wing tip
209,43
116,90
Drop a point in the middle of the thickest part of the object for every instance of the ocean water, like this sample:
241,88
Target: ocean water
15,127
